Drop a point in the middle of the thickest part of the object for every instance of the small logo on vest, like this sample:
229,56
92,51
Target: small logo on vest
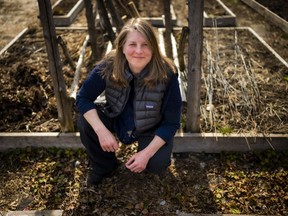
149,106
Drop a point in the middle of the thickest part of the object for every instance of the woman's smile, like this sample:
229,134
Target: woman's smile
137,51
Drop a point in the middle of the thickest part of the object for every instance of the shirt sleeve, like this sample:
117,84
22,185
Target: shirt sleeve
92,87
171,110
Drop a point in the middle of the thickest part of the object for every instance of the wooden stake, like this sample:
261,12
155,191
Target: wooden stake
182,43
74,85
91,29
114,15
133,9
104,16
66,52
168,28
64,104
195,40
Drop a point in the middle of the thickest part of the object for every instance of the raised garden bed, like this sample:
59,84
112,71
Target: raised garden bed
227,183
27,93
26,81
155,16
33,213
197,183
2,51
278,7
244,85
183,142
65,11
217,14
270,15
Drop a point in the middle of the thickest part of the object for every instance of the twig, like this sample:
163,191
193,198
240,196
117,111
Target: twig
133,9
66,52
269,142
74,85
123,7
182,43
249,147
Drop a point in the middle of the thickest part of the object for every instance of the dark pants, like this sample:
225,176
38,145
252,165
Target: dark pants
104,163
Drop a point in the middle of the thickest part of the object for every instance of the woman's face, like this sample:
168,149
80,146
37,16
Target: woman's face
137,51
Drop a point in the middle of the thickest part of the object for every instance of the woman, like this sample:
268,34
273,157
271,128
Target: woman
143,104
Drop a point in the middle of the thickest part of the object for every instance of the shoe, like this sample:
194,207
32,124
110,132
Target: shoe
94,179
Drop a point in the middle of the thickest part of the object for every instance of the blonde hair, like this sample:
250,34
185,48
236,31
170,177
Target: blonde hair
116,62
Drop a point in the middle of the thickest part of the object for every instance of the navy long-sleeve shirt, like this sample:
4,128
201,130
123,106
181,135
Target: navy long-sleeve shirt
94,85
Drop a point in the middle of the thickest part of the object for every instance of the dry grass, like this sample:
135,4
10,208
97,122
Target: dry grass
243,85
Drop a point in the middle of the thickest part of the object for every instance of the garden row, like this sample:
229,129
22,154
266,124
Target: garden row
242,97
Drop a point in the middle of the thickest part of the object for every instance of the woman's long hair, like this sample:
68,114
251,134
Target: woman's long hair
116,61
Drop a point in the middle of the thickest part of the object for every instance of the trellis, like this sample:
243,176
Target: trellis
65,101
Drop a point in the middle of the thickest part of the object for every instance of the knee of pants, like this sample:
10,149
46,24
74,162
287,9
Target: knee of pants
161,159
158,166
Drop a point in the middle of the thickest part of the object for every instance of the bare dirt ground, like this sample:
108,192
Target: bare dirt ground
247,17
14,17
272,34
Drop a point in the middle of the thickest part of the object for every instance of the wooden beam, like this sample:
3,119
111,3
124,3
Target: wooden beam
63,102
92,30
183,142
195,40
277,20
23,32
67,19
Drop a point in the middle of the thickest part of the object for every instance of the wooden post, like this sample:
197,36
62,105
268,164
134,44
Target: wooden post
168,28
106,22
133,9
181,47
64,103
62,43
195,40
91,29
118,22
121,5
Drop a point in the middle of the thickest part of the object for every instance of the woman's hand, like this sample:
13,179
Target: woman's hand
107,140
138,162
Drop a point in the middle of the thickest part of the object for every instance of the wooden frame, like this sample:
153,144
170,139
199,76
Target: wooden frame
220,21
23,32
278,21
183,142
67,19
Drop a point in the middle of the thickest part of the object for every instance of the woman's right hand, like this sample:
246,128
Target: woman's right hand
107,140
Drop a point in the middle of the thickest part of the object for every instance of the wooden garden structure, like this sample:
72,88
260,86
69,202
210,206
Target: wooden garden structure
191,34
195,38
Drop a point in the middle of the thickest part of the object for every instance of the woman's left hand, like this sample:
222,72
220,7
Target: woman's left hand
138,162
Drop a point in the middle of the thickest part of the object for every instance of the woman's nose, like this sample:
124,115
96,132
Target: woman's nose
139,49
